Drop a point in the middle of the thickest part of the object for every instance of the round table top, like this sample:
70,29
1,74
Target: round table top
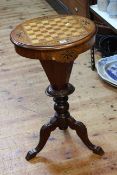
53,32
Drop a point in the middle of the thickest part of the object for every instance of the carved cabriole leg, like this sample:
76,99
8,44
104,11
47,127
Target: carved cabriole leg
44,135
81,131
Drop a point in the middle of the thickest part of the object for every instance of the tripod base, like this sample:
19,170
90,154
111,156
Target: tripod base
63,120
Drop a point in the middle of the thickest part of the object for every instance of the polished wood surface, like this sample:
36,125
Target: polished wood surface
52,31
76,7
63,37
79,7
22,113
58,73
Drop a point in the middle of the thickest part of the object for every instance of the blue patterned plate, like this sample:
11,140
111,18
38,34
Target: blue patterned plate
111,70
107,69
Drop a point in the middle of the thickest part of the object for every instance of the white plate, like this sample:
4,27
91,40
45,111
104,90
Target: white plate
107,69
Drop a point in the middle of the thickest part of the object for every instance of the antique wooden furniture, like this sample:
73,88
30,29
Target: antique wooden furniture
57,41
76,7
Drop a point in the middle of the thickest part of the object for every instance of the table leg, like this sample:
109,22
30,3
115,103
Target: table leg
63,120
81,131
44,135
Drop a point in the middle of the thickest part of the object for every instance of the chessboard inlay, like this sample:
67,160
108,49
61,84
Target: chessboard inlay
52,31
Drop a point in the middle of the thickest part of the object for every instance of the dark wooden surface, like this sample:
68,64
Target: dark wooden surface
70,7
57,73
62,119
79,7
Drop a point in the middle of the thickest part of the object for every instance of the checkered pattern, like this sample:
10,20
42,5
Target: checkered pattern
52,31
55,31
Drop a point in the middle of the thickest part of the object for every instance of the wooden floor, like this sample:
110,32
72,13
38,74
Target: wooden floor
24,108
